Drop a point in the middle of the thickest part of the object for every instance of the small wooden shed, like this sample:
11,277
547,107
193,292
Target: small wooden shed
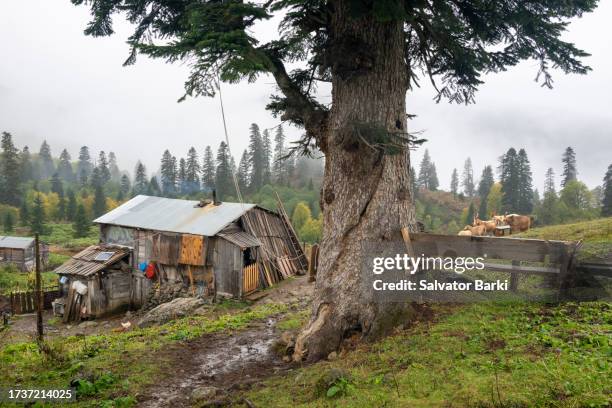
96,282
20,251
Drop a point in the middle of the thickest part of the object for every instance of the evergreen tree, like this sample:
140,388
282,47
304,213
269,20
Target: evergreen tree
467,178
279,170
425,173
140,180
510,179
71,206
181,177
372,52
549,181
56,185
9,171
38,218
153,188
103,169
223,174
26,167
8,222
257,159
168,174
606,209
192,171
484,187
81,224
124,186
24,213
47,168
471,213
99,203
64,167
433,178
569,166
96,178
243,171
115,173
84,165
454,185
525,188
208,170
267,152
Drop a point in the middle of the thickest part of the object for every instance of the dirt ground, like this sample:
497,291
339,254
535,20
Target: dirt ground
227,363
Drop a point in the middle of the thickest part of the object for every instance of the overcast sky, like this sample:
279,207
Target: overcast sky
72,90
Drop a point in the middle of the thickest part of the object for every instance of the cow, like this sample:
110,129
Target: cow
518,223
469,230
489,225
466,232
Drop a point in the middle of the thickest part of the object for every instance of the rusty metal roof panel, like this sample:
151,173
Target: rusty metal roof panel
173,215
92,260
15,242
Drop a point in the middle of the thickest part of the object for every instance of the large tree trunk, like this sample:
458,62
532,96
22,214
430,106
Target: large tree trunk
365,194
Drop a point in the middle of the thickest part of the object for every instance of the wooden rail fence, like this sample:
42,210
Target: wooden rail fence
25,302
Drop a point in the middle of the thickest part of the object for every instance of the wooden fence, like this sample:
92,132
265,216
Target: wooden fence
250,279
25,302
558,257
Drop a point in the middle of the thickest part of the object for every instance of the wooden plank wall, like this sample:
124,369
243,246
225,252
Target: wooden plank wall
269,229
227,266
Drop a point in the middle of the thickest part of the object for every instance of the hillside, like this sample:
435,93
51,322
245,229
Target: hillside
596,236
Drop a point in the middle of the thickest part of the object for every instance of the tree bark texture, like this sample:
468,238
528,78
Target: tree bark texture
365,193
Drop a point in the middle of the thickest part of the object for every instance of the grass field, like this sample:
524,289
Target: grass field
481,355
596,236
109,369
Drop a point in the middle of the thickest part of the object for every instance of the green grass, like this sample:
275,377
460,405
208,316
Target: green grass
595,230
12,280
596,236
109,366
482,355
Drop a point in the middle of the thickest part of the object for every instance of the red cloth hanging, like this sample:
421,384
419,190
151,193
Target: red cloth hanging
150,271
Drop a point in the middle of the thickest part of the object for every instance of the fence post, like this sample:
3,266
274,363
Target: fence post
514,277
39,298
312,265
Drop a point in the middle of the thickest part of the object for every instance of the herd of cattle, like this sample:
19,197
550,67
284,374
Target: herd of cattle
498,225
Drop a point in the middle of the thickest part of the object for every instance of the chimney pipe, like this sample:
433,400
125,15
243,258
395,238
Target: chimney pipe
215,201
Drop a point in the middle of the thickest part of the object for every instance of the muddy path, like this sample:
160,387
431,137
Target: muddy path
229,362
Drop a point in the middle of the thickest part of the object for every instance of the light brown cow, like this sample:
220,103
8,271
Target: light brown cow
489,225
475,231
466,232
518,223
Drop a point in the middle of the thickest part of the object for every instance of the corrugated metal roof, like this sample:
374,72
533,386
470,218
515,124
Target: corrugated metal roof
172,215
241,238
85,264
15,242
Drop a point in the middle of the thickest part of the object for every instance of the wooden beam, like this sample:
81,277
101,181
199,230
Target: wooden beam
520,268
520,249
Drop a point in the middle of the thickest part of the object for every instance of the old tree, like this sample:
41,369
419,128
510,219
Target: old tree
372,52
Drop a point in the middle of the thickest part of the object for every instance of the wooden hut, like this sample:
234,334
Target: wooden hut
95,282
210,248
20,251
